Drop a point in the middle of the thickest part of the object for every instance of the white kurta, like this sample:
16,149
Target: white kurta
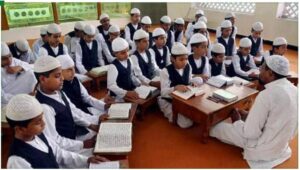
128,34
44,52
272,122
189,31
112,75
166,90
65,159
198,63
138,71
219,33
161,51
12,84
71,43
36,47
237,67
172,38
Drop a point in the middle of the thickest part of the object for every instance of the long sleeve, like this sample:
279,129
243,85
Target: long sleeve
188,32
180,37
206,70
100,57
234,48
237,66
31,57
36,47
252,63
23,64
105,49
5,97
165,83
78,60
127,36
65,49
90,99
67,42
43,52
168,57
223,72
138,71
261,47
16,162
112,75
218,32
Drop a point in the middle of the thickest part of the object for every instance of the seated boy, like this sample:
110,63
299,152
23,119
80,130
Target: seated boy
216,63
21,50
279,47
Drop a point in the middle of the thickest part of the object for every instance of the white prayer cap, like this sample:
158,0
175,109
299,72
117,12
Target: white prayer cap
179,49
278,64
135,11
4,49
258,26
199,12
23,107
203,18
119,44
245,42
230,15
200,25
45,63
22,45
65,61
43,30
114,28
179,21
102,16
79,25
198,38
226,24
53,28
165,19
146,20
279,41
89,29
140,34
218,48
158,32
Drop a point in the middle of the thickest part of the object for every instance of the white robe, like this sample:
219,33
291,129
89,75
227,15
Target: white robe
36,47
100,39
71,43
271,124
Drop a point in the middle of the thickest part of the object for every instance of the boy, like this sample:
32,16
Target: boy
130,28
226,40
73,37
279,47
189,29
229,17
76,92
178,29
145,67
40,42
176,76
21,50
159,49
146,25
14,73
198,60
30,147
165,23
216,63
257,48
53,47
243,61
105,25
88,52
108,55
121,81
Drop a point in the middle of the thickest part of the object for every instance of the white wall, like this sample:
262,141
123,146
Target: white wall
265,12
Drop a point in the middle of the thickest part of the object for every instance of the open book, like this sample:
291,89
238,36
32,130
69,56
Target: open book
119,111
105,165
114,138
240,81
225,95
194,91
144,91
98,71
219,81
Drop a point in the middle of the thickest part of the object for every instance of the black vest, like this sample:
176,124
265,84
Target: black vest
146,68
64,122
132,29
100,29
150,39
73,91
176,78
37,158
216,69
228,47
231,34
71,34
196,70
89,56
13,49
51,52
124,79
161,61
255,45
263,59
243,63
169,40
176,34
108,43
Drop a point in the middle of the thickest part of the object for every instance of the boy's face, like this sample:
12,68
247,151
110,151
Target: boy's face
146,27
165,26
80,34
265,75
201,49
6,60
122,55
45,38
105,22
88,38
226,32
68,73
219,58
161,41
54,81
179,27
180,61
256,34
34,127
245,50
54,39
232,19
202,31
143,44
135,18
113,35
281,49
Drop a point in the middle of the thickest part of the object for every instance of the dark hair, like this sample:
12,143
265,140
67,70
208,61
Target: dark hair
46,74
13,123
277,76
196,30
276,46
49,34
76,30
43,35
213,54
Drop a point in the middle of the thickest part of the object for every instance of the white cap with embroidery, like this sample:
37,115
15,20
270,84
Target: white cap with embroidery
245,42
22,45
102,16
79,25
158,32
218,48
119,44
89,29
146,20
140,34
179,49
65,61
258,26
203,18
199,12
230,15
114,28
43,30
135,11
179,21
280,41
165,19
53,28
226,24
198,38
278,64
45,63
200,25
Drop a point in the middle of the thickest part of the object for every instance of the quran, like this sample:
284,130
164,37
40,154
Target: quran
144,91
194,91
119,111
98,71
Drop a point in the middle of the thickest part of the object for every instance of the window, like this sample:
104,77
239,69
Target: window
27,14
116,10
76,11
288,10
241,7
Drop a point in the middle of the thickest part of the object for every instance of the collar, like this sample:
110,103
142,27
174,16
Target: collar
276,82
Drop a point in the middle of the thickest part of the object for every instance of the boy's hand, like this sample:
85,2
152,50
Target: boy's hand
132,95
103,117
204,77
89,143
253,75
14,70
94,127
155,84
182,88
109,99
97,159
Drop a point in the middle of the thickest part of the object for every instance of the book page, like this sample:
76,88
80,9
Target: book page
99,70
144,91
240,81
224,95
119,111
215,81
105,165
114,138
188,94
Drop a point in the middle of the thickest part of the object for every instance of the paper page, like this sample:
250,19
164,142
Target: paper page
119,111
240,81
144,91
105,165
215,81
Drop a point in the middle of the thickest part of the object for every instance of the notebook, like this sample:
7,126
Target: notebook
219,81
98,71
114,138
119,111
105,165
144,91
194,91
225,95
240,81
